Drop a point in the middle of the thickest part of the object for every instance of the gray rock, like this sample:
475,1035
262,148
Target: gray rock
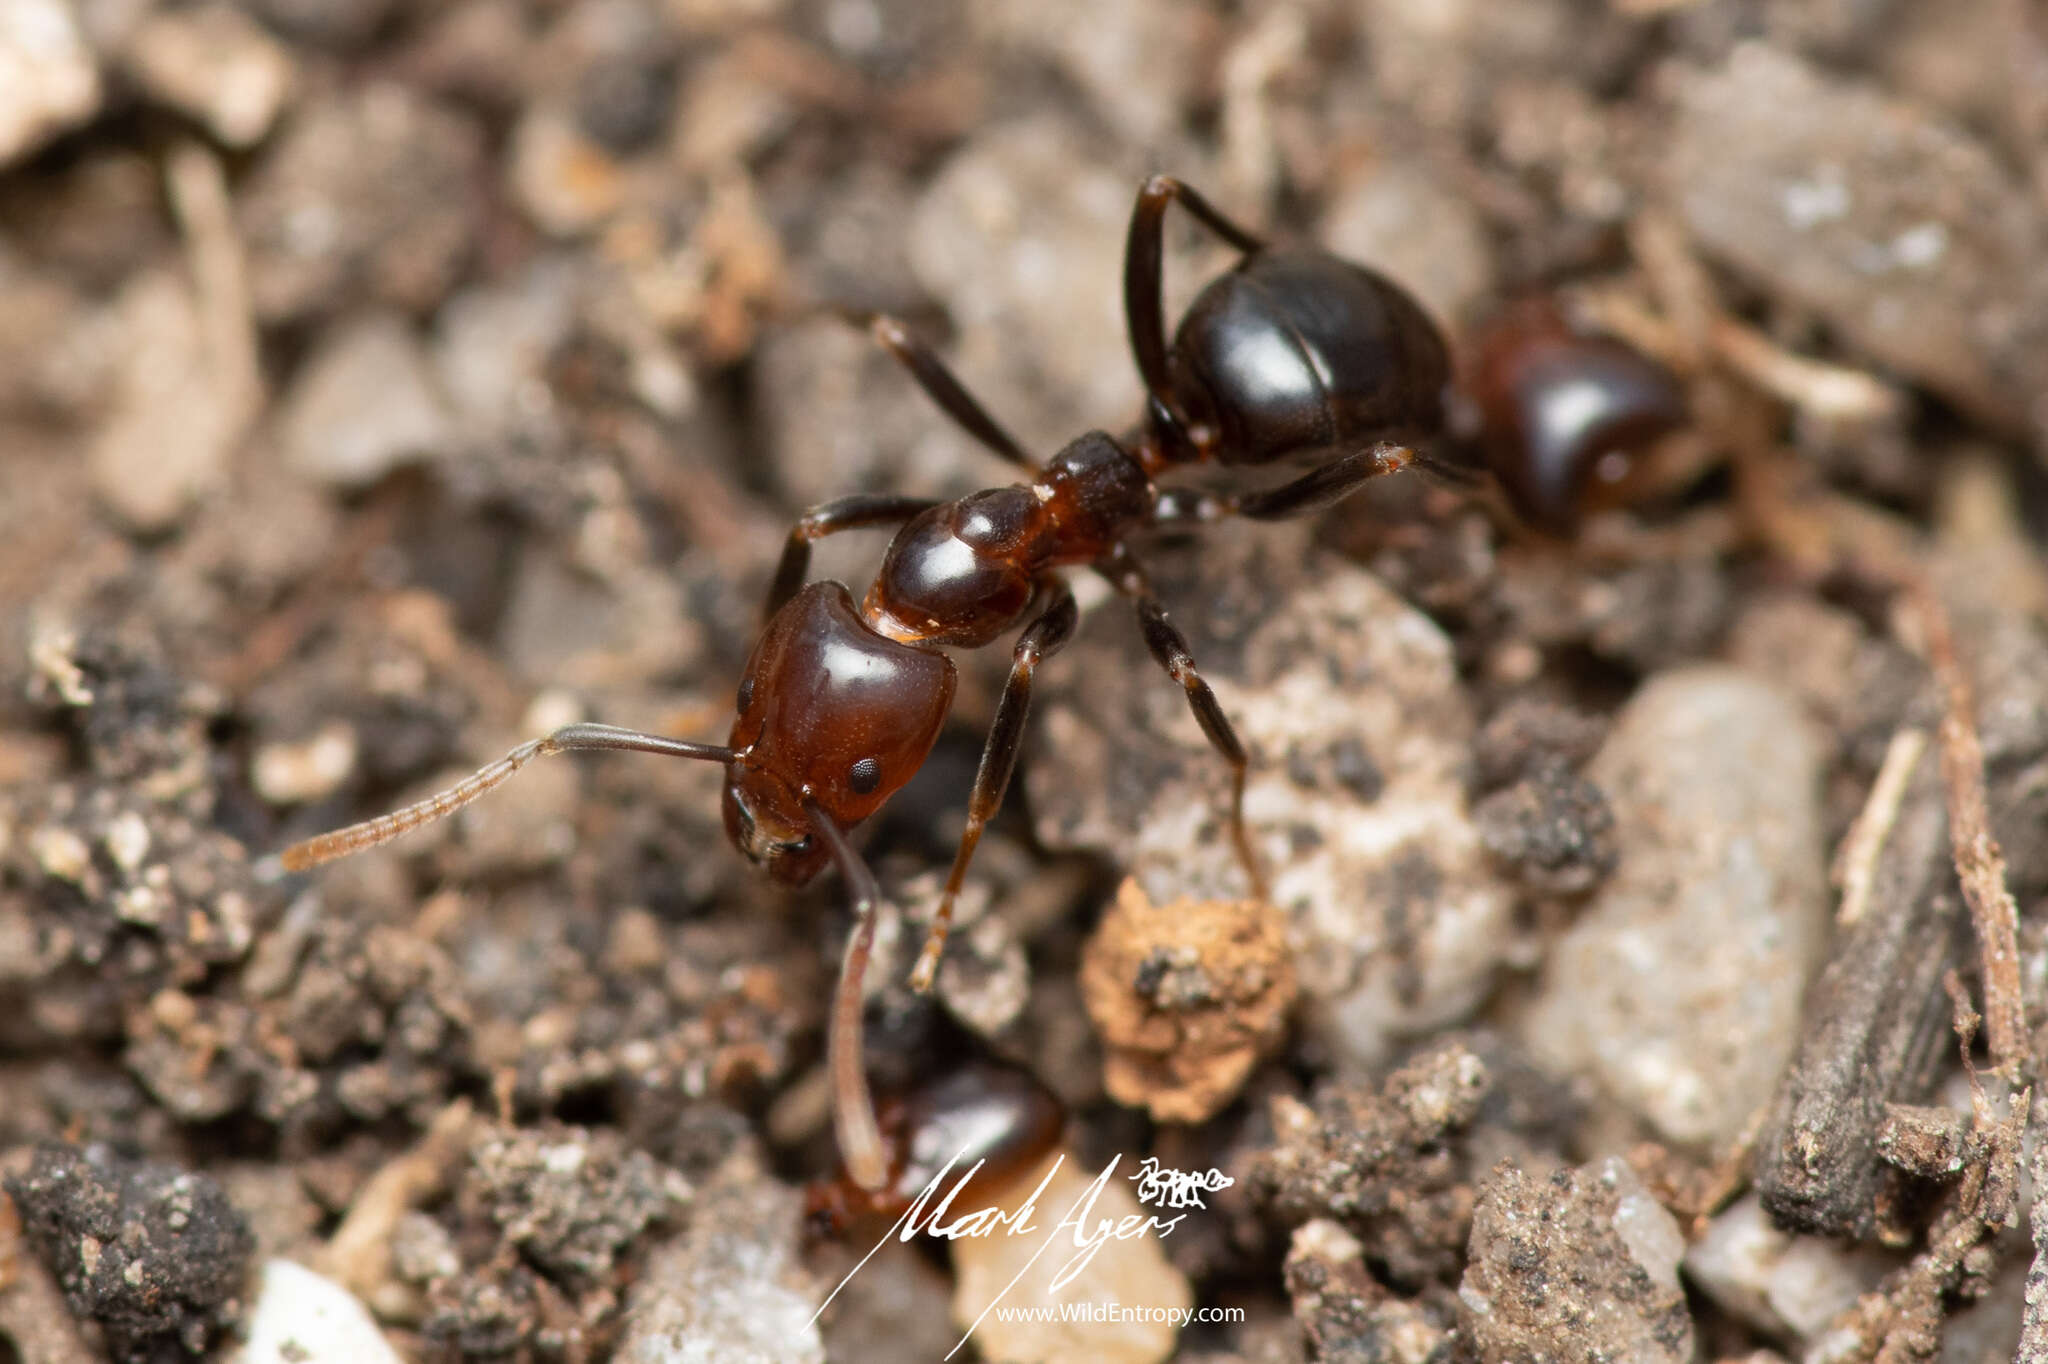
48,81
1581,1266
1403,222
1022,236
1789,1286
367,194
732,1289
842,416
364,404
174,418
1678,990
491,345
1349,703
1901,233
1140,65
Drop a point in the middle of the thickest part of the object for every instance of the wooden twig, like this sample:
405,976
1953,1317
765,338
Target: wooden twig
1875,1031
2034,1324
1979,863
1856,863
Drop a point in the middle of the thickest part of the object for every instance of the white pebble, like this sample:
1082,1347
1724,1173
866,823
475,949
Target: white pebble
305,1318
47,78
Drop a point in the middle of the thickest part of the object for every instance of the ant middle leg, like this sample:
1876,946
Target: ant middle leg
1041,639
940,385
1322,487
1144,266
829,518
1170,649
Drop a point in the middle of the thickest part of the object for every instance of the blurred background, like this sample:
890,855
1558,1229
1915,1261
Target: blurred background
385,381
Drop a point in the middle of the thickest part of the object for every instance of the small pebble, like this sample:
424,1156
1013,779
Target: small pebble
1139,65
48,81
1338,1301
984,980
1021,235
567,182
364,404
292,774
366,196
1402,221
174,418
60,853
1188,997
305,1318
1585,1259
491,344
731,1289
217,65
1678,989
1789,1286
1018,1271
1348,701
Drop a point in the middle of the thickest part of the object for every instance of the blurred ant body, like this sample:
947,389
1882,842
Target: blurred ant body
1293,355
993,1123
1564,416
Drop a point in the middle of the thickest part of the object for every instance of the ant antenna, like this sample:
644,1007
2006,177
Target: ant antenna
853,1106
568,739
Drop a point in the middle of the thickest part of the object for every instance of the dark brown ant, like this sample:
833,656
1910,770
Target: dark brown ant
1293,355
1564,416
1002,1120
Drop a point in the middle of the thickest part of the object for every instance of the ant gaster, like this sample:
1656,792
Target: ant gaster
1565,416
1294,355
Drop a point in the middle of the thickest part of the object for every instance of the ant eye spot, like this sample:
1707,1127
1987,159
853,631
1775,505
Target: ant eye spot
865,776
746,695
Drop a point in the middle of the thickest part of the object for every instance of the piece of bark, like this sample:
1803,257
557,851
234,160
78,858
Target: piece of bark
1876,1025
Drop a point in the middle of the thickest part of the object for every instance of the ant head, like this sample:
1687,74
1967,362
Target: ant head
830,713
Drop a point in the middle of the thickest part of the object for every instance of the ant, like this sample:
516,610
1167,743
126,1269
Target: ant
994,1122
1293,355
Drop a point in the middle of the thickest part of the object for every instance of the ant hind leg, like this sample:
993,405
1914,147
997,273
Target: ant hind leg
1170,649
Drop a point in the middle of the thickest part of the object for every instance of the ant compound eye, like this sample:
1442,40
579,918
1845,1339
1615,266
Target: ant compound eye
865,776
746,698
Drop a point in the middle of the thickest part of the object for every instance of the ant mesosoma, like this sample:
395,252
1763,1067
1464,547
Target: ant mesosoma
1293,355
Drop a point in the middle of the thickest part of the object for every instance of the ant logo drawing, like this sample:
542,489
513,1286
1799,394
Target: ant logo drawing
1159,1186
1293,356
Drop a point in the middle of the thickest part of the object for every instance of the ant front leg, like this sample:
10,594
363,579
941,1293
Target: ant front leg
829,518
1170,648
939,385
1041,639
1144,267
853,1103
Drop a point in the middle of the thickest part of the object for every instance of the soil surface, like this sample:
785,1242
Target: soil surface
383,384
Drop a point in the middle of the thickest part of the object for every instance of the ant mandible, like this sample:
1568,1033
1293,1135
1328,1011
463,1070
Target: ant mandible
1293,355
